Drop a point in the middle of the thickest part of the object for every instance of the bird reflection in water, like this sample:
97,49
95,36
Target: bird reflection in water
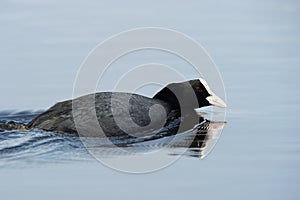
191,132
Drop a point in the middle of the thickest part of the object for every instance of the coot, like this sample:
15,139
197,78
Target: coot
121,113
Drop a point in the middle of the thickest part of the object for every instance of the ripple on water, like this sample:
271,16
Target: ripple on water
23,148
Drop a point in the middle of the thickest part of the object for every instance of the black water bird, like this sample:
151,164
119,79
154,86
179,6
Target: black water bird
120,113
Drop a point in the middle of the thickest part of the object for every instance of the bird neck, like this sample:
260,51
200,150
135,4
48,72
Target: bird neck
169,97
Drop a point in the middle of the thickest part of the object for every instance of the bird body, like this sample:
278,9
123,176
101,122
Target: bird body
120,113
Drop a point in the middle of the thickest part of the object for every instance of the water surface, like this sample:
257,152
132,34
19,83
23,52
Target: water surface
256,46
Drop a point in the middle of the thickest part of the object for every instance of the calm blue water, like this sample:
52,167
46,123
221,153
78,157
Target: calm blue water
256,46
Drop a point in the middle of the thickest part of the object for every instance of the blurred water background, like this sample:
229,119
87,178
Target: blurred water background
256,46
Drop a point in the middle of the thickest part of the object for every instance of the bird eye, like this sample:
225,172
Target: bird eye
198,89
